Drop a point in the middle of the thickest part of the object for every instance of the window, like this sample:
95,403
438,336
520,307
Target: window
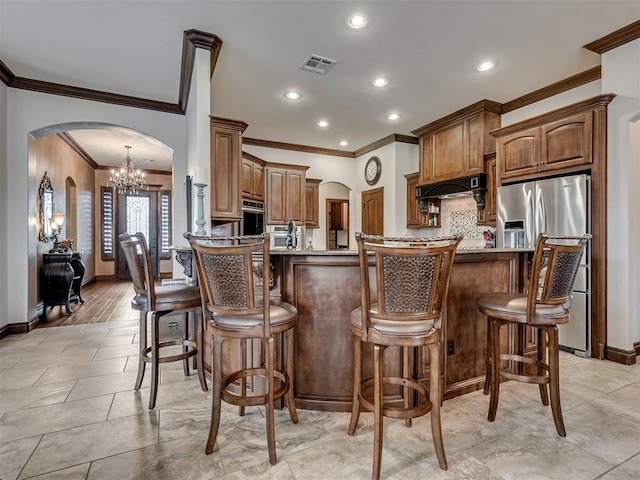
107,223
165,224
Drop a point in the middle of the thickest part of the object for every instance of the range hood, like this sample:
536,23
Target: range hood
476,184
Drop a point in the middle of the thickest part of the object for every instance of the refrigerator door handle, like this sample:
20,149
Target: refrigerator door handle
541,220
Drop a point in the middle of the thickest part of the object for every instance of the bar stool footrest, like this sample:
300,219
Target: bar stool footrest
253,400
190,344
393,411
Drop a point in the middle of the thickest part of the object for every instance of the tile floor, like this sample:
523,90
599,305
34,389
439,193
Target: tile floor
68,411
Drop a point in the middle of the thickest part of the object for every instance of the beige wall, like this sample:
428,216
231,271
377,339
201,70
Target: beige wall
61,162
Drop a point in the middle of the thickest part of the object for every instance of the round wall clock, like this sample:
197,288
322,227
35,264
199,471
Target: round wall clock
373,170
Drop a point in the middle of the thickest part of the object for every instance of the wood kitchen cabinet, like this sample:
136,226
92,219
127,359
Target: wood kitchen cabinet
286,192
226,175
488,215
312,191
454,146
414,217
548,147
252,177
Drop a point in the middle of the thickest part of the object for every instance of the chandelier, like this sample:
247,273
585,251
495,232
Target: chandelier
128,178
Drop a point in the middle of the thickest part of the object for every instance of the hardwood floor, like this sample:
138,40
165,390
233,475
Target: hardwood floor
104,301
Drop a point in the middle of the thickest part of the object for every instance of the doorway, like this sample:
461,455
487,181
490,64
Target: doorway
138,213
373,211
337,223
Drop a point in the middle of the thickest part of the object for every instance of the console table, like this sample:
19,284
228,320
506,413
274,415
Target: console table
61,277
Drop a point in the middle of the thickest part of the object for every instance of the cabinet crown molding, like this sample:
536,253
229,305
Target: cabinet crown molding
488,106
220,122
589,104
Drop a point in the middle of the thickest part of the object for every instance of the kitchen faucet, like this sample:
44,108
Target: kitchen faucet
292,238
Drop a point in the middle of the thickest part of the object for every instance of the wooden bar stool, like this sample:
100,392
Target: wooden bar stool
412,281
161,301
235,311
555,264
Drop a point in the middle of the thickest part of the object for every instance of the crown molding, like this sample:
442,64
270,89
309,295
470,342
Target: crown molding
615,39
394,137
574,81
230,123
69,140
192,39
195,39
146,170
253,158
488,106
295,147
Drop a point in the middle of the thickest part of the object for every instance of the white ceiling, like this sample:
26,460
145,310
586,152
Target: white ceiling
427,49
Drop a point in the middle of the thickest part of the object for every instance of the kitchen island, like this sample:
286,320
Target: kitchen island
325,287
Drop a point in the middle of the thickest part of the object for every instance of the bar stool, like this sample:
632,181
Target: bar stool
556,260
412,281
235,311
161,301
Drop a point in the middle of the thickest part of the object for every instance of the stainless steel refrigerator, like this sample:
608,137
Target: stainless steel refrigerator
556,206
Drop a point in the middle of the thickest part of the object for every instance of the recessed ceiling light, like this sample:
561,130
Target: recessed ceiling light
485,66
380,82
344,143
323,123
357,21
393,116
292,95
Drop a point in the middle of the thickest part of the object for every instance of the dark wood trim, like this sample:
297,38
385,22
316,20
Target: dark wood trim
287,166
482,106
588,104
22,327
94,95
253,158
636,347
394,137
192,39
147,171
574,81
615,39
229,123
195,39
69,140
296,148
7,77
108,278
625,357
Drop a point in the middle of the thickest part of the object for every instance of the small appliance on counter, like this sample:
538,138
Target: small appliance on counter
285,237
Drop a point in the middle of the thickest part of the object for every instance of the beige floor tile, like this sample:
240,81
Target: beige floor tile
98,342
92,442
105,384
79,472
624,402
117,351
49,394
52,418
602,432
263,471
625,471
17,378
82,370
35,360
534,453
182,459
14,455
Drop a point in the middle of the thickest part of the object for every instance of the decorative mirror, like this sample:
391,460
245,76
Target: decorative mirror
46,209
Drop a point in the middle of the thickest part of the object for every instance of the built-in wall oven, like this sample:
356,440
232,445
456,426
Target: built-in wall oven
252,218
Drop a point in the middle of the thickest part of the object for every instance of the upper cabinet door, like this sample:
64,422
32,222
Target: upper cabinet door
296,192
226,168
276,196
568,142
518,154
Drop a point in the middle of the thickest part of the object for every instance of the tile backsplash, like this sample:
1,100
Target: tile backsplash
458,217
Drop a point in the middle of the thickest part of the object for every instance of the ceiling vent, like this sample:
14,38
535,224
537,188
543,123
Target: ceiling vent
317,64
